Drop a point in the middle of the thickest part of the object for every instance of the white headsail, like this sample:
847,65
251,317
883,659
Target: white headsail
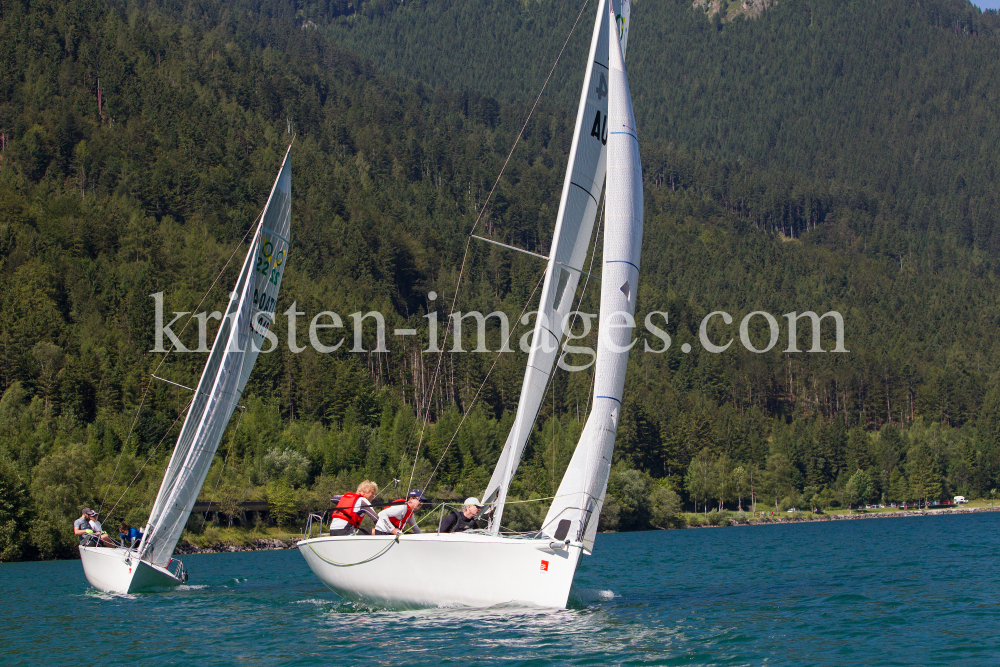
574,512
241,337
571,239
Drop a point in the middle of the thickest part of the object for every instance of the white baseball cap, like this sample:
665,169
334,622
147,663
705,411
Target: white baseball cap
472,501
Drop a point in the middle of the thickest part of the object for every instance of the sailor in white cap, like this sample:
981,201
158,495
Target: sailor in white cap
466,519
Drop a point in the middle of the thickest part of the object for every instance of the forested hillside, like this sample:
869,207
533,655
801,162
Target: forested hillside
138,143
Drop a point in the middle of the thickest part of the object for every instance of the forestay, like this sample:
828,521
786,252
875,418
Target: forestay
241,335
574,226
574,512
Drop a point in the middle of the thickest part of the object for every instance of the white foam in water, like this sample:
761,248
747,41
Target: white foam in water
315,601
589,595
101,595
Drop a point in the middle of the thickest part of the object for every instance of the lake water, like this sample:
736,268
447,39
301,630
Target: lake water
914,591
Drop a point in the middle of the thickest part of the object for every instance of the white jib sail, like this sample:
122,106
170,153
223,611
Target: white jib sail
574,226
575,511
240,339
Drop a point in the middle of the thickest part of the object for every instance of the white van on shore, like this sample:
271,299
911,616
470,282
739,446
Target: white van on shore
959,500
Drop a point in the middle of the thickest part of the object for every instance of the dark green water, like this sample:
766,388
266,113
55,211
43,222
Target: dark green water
915,591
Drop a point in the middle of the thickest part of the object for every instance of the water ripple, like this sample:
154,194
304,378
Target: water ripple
892,592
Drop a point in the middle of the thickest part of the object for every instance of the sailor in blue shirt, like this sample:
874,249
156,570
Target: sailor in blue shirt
130,536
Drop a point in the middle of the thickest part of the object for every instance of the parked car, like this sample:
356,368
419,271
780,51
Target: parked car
959,500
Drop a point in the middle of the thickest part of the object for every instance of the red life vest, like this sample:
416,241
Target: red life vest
345,510
401,523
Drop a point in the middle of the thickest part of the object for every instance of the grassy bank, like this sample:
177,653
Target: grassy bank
737,518
212,536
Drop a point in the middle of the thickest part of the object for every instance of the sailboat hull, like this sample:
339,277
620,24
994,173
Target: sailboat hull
444,570
119,571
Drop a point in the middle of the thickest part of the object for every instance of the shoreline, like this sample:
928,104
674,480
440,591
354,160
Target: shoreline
768,520
272,544
275,544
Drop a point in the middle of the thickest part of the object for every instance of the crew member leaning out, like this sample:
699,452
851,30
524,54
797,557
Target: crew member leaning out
397,517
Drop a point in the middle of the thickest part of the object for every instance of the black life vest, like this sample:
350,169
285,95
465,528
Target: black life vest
345,510
462,524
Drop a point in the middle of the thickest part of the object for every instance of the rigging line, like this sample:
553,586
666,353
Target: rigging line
511,247
176,384
533,254
510,334
406,449
148,458
528,118
142,401
482,212
362,562
437,370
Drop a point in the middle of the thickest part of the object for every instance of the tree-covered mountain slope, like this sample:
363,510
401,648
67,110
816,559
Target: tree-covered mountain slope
138,142
896,99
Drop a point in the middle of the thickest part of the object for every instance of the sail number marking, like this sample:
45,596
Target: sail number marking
269,261
602,88
600,129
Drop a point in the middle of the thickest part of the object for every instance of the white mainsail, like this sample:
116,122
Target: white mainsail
575,510
240,338
574,226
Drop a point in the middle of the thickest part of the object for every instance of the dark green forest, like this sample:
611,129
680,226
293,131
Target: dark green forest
825,156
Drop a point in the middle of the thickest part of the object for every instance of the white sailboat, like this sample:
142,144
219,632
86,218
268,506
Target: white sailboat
241,335
428,570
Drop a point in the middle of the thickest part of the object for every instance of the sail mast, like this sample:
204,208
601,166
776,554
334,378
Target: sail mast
575,510
578,210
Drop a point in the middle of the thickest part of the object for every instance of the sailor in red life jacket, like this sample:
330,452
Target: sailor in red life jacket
396,518
351,510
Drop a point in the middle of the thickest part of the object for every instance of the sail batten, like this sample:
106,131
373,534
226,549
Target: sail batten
238,342
578,210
